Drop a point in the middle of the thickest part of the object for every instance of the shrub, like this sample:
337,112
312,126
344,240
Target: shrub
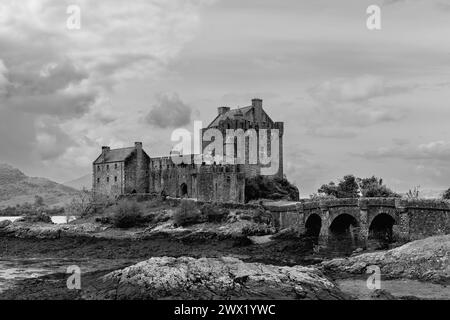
126,214
214,213
187,213
37,217
446,194
257,230
262,187
82,204
261,216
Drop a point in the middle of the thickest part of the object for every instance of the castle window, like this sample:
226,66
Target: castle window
115,179
98,180
115,166
98,168
107,179
107,167
228,179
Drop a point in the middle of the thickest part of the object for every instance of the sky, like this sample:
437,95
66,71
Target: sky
354,100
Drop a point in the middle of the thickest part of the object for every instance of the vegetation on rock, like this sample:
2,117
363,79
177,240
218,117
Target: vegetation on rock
187,213
126,214
262,187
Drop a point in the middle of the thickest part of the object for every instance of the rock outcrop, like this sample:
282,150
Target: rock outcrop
213,278
427,260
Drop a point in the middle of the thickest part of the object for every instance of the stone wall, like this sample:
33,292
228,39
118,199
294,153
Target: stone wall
203,182
116,178
109,179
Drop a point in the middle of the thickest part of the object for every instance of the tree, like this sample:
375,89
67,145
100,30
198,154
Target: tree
352,187
446,194
38,201
82,204
373,187
346,188
414,193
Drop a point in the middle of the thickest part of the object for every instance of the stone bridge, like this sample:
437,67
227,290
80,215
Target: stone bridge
356,222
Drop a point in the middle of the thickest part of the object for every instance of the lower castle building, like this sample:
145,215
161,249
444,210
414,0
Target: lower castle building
132,170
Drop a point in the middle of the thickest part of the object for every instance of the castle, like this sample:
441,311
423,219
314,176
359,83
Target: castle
251,137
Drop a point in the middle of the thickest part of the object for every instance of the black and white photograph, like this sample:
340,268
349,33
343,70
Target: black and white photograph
225,156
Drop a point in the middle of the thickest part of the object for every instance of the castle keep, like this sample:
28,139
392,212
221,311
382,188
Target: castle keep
131,170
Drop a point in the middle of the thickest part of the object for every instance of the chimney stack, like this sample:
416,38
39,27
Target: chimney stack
257,102
105,150
138,145
223,110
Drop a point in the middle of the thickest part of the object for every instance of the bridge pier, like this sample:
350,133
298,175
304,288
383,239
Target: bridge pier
324,228
363,234
401,229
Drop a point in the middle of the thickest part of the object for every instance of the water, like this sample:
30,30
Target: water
404,287
14,270
55,219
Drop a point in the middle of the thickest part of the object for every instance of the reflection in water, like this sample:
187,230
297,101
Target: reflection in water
424,290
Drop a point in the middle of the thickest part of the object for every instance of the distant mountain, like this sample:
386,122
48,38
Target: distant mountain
18,188
80,183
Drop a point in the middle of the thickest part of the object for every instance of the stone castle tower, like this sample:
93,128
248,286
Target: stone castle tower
131,170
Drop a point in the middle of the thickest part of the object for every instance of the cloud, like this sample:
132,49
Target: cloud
52,141
343,107
331,132
303,170
4,82
169,111
435,150
357,89
57,86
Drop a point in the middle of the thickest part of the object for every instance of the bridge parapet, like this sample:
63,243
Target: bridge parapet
411,218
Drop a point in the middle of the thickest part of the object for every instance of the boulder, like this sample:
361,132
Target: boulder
213,278
4,223
427,260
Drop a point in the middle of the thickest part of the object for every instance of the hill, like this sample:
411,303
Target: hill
80,183
18,188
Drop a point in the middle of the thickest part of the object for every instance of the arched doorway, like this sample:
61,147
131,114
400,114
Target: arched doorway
183,190
380,231
343,234
313,225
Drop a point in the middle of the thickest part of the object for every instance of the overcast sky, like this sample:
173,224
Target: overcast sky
353,100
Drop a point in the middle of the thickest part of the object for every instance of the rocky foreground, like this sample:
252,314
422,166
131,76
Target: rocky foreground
213,278
207,261
425,260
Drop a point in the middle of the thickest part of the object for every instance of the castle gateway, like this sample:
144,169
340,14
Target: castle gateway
131,170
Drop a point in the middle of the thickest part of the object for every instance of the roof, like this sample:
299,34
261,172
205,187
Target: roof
115,155
229,115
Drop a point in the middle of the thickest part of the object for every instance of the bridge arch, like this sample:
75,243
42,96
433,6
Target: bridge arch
381,229
392,214
343,232
313,224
